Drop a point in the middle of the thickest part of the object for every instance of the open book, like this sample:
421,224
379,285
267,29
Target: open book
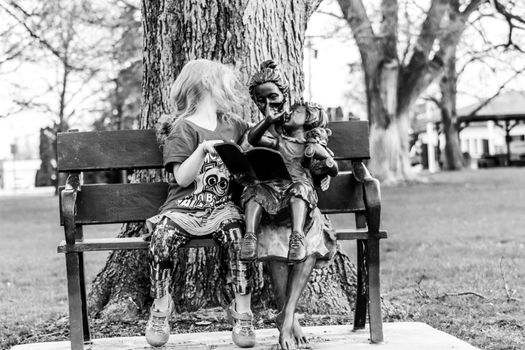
259,163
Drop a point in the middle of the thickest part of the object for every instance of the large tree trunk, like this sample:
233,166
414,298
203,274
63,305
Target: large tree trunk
453,156
448,84
243,33
389,126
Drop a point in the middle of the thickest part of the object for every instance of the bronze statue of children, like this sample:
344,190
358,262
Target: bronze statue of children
314,242
298,195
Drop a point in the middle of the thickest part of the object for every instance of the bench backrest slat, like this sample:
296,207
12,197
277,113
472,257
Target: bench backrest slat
138,149
105,204
103,150
349,139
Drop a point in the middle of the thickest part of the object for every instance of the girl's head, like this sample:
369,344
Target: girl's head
308,115
268,86
200,78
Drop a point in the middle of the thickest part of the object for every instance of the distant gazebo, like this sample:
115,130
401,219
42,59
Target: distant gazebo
506,111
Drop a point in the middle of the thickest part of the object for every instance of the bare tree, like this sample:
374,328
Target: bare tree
393,86
74,38
399,64
491,51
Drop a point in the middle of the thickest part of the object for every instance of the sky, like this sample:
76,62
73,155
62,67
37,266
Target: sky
329,56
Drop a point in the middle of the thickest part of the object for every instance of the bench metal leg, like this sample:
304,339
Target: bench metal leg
76,323
85,319
361,300
376,325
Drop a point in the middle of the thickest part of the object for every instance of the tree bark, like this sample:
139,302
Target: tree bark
46,174
453,157
448,85
242,33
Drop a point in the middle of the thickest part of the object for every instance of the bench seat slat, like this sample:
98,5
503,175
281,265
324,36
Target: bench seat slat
131,243
125,243
350,234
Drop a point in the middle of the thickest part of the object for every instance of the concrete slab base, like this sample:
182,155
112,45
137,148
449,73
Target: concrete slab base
398,336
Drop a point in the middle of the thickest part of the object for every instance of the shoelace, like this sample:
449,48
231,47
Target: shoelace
250,239
245,326
158,323
296,240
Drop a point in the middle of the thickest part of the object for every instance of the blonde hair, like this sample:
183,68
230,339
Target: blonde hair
202,76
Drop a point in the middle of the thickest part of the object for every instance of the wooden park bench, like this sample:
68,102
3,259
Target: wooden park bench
352,191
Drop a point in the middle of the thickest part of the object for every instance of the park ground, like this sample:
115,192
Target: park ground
454,259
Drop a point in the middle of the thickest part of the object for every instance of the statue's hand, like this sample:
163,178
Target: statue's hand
325,183
272,115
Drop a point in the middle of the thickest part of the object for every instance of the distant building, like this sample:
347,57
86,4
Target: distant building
496,129
18,174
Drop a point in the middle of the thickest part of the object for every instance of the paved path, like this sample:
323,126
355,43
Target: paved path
398,336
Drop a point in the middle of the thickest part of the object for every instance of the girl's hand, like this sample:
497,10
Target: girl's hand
207,146
271,115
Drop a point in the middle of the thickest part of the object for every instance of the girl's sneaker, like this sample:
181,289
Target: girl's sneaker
158,327
243,334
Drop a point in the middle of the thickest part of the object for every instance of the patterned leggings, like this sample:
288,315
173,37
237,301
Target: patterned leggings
168,237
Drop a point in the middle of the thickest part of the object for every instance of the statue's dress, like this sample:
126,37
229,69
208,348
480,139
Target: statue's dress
274,196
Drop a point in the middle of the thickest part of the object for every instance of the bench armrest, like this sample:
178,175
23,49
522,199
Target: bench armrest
372,195
68,197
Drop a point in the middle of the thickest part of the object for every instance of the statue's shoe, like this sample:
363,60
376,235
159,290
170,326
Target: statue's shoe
296,248
248,247
243,334
158,327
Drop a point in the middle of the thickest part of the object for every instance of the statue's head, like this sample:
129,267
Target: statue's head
308,115
268,87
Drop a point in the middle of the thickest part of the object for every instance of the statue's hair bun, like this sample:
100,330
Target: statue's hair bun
268,64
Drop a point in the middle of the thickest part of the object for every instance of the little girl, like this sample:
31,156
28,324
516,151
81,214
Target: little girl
199,201
298,196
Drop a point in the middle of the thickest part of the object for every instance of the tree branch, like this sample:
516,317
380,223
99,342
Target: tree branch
429,31
355,14
433,99
507,14
498,92
510,18
331,14
419,79
30,31
461,294
389,24
406,51
311,6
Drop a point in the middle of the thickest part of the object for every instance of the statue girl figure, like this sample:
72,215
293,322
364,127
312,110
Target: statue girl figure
312,241
298,195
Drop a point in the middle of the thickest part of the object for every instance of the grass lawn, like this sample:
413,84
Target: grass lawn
455,257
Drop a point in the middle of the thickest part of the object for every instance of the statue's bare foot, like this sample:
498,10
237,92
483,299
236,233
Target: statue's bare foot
286,334
300,338
287,341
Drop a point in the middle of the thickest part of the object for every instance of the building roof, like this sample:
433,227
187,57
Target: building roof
506,106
